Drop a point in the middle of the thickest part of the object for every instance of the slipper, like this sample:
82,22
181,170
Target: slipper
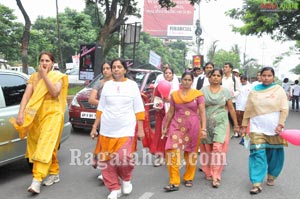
215,183
209,178
188,183
255,190
270,182
171,187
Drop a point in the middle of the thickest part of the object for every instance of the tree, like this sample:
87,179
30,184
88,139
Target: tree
115,15
75,29
222,56
25,37
212,51
10,34
60,63
281,20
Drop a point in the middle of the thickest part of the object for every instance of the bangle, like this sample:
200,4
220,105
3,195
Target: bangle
203,130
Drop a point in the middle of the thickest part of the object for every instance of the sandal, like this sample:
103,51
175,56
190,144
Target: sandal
158,161
215,183
171,187
188,183
209,178
270,182
255,190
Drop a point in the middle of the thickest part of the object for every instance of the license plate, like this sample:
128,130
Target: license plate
88,115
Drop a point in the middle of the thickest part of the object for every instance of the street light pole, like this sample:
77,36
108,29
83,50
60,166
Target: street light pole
198,32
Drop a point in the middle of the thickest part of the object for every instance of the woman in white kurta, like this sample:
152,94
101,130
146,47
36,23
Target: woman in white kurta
266,110
120,107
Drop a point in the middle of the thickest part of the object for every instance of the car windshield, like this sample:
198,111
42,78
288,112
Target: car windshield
137,76
30,70
95,80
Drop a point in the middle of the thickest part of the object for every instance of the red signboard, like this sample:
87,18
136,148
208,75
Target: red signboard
157,19
197,61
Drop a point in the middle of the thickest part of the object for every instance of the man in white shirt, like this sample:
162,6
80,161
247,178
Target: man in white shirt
203,80
258,79
198,73
233,84
295,93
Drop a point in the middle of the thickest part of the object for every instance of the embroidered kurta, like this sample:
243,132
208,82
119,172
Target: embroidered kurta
183,131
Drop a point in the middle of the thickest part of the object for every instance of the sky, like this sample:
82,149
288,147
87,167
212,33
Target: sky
215,25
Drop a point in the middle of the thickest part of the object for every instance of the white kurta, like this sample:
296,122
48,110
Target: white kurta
119,102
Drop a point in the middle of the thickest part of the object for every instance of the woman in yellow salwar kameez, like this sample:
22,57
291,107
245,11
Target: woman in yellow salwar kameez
41,119
185,123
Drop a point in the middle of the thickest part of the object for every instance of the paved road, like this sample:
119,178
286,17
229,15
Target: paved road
79,181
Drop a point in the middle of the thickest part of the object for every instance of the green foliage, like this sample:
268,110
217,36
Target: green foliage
75,89
296,70
172,53
75,28
222,56
281,21
10,35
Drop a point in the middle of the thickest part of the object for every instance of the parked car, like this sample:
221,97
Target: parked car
73,75
20,69
12,88
82,114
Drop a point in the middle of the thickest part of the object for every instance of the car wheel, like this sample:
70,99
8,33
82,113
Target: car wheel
76,128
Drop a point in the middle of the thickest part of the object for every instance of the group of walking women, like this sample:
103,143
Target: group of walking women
199,119
194,119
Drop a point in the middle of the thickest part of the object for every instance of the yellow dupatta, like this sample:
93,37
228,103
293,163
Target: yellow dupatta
37,99
191,95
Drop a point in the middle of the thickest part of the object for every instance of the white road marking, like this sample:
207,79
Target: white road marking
146,195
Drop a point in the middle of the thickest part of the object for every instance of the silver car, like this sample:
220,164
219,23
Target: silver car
12,88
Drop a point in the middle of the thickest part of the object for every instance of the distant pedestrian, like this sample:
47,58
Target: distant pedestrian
285,85
94,100
295,92
241,100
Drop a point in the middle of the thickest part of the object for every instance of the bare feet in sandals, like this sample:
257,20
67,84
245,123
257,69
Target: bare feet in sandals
255,190
188,183
171,187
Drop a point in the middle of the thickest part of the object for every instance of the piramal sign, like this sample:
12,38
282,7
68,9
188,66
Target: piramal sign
156,19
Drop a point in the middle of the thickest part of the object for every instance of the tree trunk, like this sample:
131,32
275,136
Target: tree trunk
25,38
60,62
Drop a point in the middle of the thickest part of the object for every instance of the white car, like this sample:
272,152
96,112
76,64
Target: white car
73,76
20,69
12,88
